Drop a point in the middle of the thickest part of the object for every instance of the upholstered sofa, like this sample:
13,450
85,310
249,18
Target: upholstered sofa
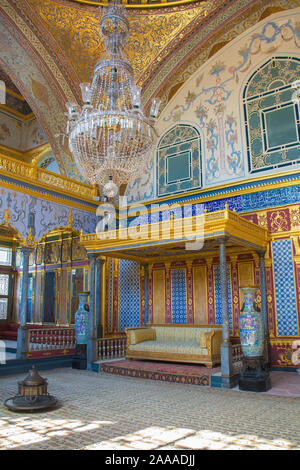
177,343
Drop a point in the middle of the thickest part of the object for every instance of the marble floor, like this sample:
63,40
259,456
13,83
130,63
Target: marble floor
284,384
108,412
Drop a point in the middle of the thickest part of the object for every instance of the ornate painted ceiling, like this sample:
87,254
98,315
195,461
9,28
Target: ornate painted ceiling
139,3
49,46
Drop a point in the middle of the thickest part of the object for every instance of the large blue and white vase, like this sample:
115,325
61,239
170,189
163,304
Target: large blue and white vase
82,319
251,325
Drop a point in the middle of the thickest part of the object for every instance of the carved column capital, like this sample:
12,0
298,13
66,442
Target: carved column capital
189,265
233,260
100,261
27,250
92,256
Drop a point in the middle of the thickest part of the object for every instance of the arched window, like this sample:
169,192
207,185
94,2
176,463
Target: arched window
271,116
179,160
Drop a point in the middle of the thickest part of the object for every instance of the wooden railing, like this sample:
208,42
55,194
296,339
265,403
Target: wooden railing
110,348
52,341
237,358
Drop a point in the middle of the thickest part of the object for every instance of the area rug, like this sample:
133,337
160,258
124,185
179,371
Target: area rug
165,371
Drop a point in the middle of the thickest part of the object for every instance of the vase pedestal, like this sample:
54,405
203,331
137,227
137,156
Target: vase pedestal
80,361
81,332
254,378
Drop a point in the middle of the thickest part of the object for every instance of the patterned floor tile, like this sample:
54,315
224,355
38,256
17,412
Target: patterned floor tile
108,412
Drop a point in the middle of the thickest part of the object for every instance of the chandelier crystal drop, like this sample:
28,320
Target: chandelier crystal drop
110,137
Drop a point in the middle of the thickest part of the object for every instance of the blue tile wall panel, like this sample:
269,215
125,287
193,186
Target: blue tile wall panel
178,296
286,308
243,203
218,296
129,294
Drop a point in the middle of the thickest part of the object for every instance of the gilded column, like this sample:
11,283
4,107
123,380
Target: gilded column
144,304
189,292
270,295
211,315
235,295
42,284
168,300
115,316
92,340
108,297
226,347
33,296
58,294
22,341
98,297
295,242
256,269
150,294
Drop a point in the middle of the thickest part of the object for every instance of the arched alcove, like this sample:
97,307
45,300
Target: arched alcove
59,271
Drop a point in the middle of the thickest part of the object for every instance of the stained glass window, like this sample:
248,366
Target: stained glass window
179,160
271,115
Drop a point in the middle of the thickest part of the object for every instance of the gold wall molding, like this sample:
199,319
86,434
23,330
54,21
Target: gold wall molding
17,114
30,173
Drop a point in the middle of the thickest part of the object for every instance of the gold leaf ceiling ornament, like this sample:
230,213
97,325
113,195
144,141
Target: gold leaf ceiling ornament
75,28
139,3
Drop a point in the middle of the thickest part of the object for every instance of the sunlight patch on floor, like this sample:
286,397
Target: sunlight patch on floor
187,439
24,430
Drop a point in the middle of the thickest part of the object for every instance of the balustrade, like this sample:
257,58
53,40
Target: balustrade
237,358
110,348
51,340
17,168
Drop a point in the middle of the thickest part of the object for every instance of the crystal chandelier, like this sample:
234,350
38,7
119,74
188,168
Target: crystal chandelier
110,137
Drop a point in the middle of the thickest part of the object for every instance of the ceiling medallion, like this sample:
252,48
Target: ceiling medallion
139,3
110,137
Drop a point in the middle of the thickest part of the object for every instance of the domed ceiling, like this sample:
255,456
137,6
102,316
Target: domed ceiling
50,46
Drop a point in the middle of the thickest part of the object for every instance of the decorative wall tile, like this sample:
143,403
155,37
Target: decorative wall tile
179,314
129,294
286,309
218,295
41,215
279,220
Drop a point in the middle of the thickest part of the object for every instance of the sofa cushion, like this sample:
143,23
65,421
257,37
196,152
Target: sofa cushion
144,334
186,347
179,333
